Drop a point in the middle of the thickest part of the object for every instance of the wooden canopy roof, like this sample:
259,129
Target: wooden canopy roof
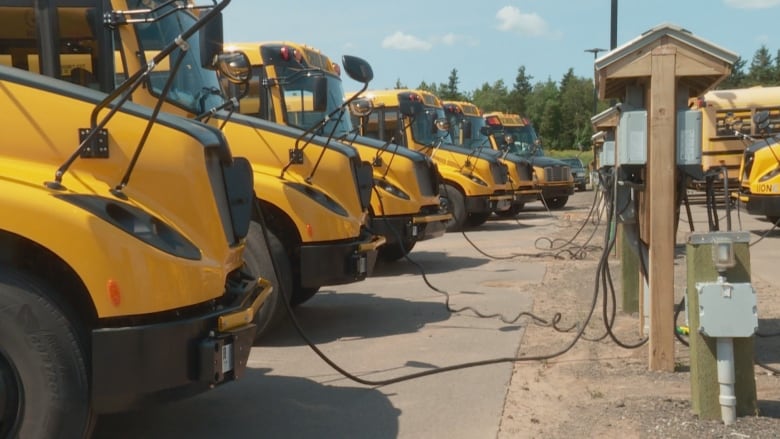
700,65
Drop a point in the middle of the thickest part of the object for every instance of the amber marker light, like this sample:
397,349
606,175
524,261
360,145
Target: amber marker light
114,294
309,230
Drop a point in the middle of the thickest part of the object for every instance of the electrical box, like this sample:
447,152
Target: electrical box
689,138
727,309
607,154
632,138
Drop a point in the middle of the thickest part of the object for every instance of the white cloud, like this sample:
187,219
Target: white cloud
511,19
402,41
752,4
451,39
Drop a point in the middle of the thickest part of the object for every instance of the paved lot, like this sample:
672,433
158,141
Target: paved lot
390,325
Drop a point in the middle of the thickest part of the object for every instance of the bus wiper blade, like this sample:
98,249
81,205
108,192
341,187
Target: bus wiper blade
124,91
296,154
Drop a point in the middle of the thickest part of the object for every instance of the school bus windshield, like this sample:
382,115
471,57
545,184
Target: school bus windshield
523,140
194,88
298,92
424,128
465,131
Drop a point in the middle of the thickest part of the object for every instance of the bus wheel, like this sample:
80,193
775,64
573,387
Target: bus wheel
396,251
455,204
302,294
261,257
512,211
477,219
44,391
556,202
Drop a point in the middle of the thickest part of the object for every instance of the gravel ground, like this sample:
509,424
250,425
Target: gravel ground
598,389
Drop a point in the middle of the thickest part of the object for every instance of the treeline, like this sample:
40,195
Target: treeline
561,110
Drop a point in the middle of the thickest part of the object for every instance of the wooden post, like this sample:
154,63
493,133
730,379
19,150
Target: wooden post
704,370
659,215
664,59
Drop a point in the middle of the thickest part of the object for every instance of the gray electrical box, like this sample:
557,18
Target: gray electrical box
689,138
727,309
607,154
632,138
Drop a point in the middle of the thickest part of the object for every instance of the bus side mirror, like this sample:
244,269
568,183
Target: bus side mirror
211,40
409,108
233,66
320,93
361,107
761,120
357,68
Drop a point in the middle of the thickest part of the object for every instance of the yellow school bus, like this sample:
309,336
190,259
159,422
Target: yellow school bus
121,236
759,185
313,193
468,129
722,110
516,134
474,183
405,204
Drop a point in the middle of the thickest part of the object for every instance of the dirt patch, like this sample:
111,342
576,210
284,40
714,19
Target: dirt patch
599,389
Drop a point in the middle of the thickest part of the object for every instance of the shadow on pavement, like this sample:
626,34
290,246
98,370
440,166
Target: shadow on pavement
262,406
330,316
432,262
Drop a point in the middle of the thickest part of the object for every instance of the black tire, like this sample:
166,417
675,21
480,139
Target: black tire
454,203
512,211
258,259
477,219
44,389
556,202
302,294
396,251
582,187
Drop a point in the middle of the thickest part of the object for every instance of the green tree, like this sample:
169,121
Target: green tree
449,91
491,97
518,97
576,108
431,88
762,70
399,85
737,77
546,120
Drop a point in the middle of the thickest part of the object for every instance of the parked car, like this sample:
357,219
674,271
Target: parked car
578,172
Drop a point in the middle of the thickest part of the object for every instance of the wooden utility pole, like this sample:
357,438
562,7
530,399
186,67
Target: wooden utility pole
661,63
659,216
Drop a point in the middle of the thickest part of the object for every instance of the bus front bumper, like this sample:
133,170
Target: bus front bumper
768,205
340,262
181,354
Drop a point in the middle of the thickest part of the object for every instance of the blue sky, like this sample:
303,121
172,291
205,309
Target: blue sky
487,40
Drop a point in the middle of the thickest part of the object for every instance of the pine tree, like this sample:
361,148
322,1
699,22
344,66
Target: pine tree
737,78
518,97
761,68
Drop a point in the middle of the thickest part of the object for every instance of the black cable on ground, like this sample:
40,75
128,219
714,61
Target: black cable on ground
578,335
536,319
411,376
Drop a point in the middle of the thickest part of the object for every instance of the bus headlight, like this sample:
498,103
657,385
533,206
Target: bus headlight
391,189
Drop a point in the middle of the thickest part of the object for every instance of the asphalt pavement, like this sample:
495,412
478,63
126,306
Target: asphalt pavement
390,325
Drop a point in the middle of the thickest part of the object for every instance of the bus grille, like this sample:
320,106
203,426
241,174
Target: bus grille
499,172
557,173
427,176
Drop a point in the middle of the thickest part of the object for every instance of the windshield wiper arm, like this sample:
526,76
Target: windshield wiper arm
124,90
322,152
296,153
